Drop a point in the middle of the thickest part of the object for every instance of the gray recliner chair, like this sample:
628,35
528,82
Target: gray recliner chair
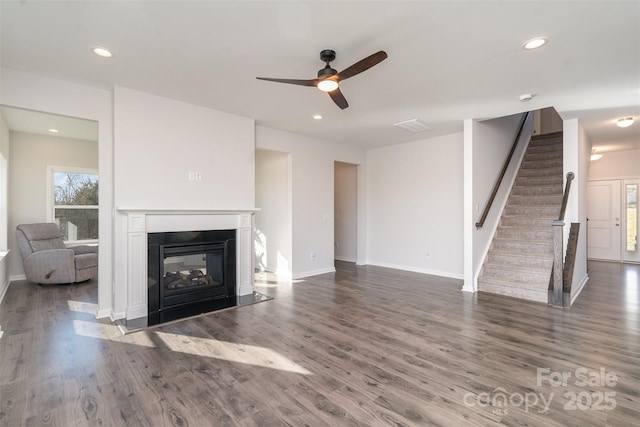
46,259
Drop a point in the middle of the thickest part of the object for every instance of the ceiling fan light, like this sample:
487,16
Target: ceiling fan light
625,122
328,85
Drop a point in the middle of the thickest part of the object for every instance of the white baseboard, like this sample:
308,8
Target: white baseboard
105,312
418,270
313,273
3,290
116,316
579,289
344,258
282,275
17,277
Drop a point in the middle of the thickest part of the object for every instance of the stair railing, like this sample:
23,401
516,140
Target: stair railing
556,296
496,187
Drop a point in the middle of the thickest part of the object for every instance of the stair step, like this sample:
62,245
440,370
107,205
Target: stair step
507,289
541,163
519,233
535,211
542,155
544,200
546,148
539,180
541,138
518,260
552,171
522,276
526,221
536,190
523,246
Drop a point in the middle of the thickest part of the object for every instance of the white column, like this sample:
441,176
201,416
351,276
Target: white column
137,268
244,255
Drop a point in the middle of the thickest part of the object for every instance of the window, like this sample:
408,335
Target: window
632,217
74,197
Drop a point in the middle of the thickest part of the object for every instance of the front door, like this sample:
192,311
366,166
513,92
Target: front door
604,219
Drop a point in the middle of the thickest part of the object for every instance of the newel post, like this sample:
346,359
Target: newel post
556,300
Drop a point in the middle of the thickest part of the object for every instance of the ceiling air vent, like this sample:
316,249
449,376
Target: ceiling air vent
413,125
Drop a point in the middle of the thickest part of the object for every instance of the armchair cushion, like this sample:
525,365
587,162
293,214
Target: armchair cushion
46,259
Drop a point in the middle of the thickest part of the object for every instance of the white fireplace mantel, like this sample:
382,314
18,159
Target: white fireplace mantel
141,221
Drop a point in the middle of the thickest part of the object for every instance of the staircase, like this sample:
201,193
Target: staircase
520,259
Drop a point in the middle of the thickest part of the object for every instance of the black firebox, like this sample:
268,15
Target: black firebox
190,272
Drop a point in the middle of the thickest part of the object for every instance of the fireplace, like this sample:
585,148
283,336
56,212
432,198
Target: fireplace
190,272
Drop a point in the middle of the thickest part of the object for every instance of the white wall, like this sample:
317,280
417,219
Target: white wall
616,165
25,90
346,211
4,198
30,156
158,142
312,178
415,206
487,145
576,154
273,220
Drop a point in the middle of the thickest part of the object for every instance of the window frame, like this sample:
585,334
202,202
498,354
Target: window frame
51,194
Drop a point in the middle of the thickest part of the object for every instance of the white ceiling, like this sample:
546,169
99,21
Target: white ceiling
448,60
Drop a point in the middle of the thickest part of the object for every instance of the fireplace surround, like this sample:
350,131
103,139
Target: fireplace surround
141,223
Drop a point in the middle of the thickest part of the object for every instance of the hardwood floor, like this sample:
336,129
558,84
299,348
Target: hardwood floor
366,346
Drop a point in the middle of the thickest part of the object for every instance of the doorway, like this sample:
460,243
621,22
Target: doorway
274,226
345,193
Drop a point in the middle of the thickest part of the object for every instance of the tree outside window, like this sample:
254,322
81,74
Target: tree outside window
75,207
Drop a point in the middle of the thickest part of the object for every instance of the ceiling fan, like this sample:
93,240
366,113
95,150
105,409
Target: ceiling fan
328,78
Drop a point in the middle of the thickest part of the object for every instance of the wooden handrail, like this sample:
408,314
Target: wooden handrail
565,197
496,187
556,296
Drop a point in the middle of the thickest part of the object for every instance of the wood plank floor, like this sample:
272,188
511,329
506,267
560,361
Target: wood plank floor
366,346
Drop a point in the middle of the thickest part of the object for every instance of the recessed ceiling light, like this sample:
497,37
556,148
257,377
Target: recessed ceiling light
52,130
101,51
317,117
526,97
595,156
534,43
625,122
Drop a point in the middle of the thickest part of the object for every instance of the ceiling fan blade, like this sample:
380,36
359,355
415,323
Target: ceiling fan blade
362,65
339,98
311,82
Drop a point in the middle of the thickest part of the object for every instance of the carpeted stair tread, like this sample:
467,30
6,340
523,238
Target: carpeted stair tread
519,259
523,221
535,211
537,200
507,289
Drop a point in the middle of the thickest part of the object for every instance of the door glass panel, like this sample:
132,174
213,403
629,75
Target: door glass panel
631,207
